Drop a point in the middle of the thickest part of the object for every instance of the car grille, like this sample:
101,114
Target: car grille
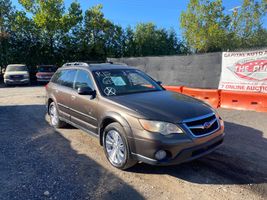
203,125
16,77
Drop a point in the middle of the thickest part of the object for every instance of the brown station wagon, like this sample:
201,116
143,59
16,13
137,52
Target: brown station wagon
134,117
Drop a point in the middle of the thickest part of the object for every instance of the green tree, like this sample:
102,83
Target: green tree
45,31
247,24
151,41
7,16
100,37
128,42
52,19
26,43
207,28
204,25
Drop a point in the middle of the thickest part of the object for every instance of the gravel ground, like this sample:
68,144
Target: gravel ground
39,162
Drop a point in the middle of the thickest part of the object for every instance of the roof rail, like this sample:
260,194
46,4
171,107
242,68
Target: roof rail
76,64
116,63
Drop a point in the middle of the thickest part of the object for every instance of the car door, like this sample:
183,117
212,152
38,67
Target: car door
63,90
83,108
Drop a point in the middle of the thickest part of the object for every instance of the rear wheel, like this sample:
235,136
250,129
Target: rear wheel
54,117
116,147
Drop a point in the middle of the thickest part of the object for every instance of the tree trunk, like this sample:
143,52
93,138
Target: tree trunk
51,40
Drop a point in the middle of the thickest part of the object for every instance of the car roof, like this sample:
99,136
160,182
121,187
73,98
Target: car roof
98,66
11,65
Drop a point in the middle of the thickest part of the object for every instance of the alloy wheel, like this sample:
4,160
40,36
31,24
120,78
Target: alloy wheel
53,115
115,148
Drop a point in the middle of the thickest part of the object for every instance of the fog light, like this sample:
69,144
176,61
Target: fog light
160,155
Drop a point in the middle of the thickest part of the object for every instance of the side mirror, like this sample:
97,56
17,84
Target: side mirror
85,91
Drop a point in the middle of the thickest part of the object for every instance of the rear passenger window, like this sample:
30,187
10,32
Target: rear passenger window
64,77
67,77
83,79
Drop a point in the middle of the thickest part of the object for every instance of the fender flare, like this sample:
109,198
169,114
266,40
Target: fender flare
114,116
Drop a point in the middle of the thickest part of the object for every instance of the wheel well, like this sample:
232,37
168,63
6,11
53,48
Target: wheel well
48,104
104,124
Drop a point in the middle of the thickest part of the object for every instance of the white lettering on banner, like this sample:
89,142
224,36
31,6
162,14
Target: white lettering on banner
244,71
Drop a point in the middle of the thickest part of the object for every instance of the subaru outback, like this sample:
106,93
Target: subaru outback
132,115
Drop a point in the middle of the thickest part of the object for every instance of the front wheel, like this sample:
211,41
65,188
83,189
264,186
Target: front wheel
54,117
116,147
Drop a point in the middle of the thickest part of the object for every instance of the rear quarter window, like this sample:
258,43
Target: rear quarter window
56,77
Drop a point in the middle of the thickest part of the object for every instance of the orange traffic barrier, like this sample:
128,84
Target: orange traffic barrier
244,100
211,96
174,88
226,99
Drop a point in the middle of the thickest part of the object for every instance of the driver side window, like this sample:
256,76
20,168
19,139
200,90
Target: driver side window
83,79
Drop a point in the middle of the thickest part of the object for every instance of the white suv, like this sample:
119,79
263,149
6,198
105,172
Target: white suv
16,74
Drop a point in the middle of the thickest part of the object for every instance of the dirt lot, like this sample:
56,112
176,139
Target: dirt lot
38,162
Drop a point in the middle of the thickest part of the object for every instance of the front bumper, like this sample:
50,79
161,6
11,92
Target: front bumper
17,82
179,148
185,155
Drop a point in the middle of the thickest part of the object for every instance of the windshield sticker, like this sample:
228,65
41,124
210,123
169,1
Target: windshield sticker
103,74
110,91
118,81
107,81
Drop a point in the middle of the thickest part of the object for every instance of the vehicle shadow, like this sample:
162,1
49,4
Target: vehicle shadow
241,160
2,85
37,162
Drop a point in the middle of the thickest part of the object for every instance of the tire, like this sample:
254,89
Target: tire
54,117
116,145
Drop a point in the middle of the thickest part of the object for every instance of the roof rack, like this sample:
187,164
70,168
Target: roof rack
116,63
76,64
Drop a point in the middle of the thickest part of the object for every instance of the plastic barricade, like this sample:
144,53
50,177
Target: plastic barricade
211,96
244,100
174,88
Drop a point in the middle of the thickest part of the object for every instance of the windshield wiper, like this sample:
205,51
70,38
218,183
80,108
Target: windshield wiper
145,91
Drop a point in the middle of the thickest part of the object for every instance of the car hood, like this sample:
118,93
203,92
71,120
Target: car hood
164,105
17,73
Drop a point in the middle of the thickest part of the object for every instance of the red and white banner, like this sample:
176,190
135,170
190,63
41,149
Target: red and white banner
244,71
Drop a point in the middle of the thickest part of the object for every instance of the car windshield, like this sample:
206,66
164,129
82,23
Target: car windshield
13,68
46,69
124,81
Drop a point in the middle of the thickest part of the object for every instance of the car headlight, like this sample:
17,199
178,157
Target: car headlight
164,128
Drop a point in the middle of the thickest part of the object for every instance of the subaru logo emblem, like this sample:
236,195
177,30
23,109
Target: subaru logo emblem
207,125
